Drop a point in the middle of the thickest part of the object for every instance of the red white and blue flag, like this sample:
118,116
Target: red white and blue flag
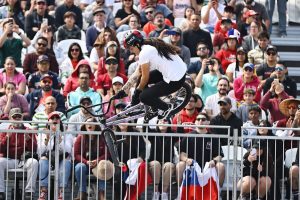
197,185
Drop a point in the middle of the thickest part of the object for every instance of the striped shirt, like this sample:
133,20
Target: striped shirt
43,117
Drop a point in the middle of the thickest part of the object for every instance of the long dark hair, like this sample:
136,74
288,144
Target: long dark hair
164,49
13,59
80,57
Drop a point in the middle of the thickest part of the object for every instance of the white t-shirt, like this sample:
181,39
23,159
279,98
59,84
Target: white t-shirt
213,18
171,70
211,103
231,68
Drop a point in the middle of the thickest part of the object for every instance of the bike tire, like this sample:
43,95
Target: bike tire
112,148
187,92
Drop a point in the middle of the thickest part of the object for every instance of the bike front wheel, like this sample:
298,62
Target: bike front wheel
111,145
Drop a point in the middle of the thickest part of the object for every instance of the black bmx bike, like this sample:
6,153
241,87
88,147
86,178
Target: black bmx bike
179,100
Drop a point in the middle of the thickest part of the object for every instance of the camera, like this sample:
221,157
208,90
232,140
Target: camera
210,62
10,20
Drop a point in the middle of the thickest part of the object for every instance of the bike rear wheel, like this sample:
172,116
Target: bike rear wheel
111,145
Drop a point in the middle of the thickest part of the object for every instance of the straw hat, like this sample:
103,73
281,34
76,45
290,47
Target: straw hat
104,166
283,106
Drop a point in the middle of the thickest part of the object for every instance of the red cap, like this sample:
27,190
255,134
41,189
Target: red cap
250,13
54,113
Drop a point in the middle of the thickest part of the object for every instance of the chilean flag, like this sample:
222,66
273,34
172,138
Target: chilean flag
199,186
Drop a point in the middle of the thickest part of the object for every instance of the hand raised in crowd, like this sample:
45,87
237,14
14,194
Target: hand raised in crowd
204,63
252,158
15,28
259,168
189,161
272,88
212,164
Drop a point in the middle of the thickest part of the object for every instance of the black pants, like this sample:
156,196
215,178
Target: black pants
151,95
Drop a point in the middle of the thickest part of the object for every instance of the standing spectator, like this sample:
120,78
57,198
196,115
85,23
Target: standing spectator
72,82
50,106
90,151
13,146
69,30
11,46
10,74
211,103
160,26
11,100
187,116
123,14
46,150
12,9
75,55
251,41
247,103
34,20
281,73
257,171
258,54
68,6
38,97
282,10
211,13
226,118
175,38
43,65
41,48
84,90
248,80
194,35
208,82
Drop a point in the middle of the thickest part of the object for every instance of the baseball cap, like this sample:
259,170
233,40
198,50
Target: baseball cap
226,100
97,10
240,49
15,111
85,98
111,59
42,58
117,79
248,65
41,1
44,76
54,113
250,13
271,47
233,33
176,30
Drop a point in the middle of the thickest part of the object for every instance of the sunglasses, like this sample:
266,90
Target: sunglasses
149,12
74,50
86,103
201,48
42,44
222,104
273,53
201,119
17,116
292,107
278,69
111,62
248,69
41,3
46,81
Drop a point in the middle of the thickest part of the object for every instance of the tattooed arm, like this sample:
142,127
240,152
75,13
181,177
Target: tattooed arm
133,79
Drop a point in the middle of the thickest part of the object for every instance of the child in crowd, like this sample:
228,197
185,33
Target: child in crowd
248,102
254,115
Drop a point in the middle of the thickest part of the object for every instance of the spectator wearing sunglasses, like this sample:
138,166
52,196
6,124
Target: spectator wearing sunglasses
41,48
43,65
248,80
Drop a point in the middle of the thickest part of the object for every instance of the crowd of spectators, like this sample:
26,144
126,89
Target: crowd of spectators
234,70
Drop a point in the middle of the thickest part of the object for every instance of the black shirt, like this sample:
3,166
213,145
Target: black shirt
264,70
201,149
122,14
62,9
290,86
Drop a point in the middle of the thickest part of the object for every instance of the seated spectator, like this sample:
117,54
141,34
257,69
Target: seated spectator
248,80
251,41
12,152
179,7
225,118
281,75
211,13
104,82
123,14
187,116
72,82
82,115
117,84
89,153
69,30
37,98
12,100
10,45
227,20
69,64
243,26
112,49
208,82
257,171
160,26
50,106
12,9
96,28
248,126
175,38
199,102
10,74
258,54
211,104
68,6
46,151
82,91
46,32
228,55
235,69
35,19
30,60
185,23
207,150
43,65
219,36
246,104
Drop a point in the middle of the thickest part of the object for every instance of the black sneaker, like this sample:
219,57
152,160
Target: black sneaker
162,114
150,114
